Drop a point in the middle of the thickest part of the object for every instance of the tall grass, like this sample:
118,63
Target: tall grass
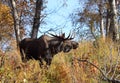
64,69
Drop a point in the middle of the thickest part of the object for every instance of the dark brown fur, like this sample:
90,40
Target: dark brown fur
45,47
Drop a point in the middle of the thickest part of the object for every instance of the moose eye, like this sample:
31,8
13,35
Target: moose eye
67,48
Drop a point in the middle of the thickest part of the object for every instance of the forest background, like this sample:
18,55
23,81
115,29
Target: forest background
96,24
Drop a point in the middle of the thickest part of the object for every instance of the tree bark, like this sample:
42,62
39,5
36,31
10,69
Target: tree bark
113,30
101,21
36,24
16,21
107,23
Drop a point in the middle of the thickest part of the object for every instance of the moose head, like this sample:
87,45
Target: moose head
66,43
45,47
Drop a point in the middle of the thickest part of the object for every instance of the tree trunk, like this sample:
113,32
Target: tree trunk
36,24
16,21
91,25
113,30
107,23
101,20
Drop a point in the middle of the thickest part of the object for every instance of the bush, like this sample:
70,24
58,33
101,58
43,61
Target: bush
64,69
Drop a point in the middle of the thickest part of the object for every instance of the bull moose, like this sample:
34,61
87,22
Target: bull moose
45,47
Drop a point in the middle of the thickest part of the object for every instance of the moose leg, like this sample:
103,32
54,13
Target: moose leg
48,57
22,54
40,63
47,54
48,61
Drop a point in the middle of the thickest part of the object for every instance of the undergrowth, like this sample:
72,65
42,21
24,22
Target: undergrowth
64,69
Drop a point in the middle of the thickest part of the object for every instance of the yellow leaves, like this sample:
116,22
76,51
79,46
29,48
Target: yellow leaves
63,70
60,71
6,21
5,16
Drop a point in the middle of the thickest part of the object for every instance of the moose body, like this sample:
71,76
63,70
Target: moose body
45,47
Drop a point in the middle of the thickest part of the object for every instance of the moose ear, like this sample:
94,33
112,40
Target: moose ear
75,44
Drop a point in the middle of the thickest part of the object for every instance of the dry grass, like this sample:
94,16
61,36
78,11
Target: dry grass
63,68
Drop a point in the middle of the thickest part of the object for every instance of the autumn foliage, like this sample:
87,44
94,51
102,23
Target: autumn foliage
64,68
6,21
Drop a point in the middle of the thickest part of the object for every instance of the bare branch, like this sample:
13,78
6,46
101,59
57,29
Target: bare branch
117,61
111,64
101,71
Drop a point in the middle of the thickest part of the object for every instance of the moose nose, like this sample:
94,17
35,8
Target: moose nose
75,45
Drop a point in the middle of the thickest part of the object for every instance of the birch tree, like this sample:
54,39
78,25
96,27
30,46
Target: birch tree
16,21
103,17
113,29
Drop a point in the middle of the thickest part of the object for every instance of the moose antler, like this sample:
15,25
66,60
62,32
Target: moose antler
70,37
62,36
